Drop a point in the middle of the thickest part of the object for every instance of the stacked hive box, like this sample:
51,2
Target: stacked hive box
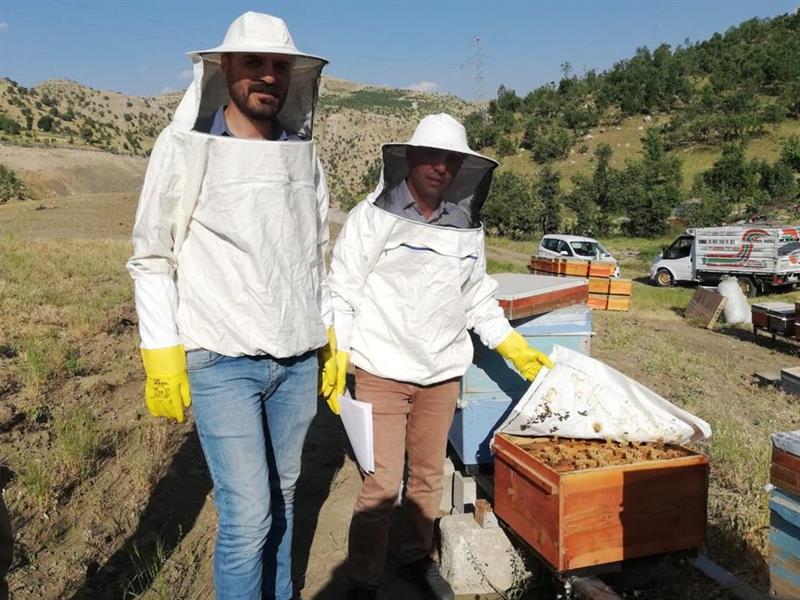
784,504
605,291
775,317
797,319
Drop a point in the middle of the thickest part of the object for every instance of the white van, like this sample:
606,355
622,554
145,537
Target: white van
576,247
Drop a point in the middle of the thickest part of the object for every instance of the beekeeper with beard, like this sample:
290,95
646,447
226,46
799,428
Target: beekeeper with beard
231,290
408,279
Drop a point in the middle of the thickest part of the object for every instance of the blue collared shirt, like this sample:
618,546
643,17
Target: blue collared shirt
219,126
400,202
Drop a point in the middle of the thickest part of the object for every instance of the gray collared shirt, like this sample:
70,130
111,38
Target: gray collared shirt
219,126
400,202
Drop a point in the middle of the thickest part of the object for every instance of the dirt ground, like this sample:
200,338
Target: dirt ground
143,524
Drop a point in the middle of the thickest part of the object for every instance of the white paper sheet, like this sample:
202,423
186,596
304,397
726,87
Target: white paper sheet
357,420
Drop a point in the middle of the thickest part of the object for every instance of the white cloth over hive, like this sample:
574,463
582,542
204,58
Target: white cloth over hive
586,399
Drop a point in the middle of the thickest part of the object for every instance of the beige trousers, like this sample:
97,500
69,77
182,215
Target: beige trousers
408,420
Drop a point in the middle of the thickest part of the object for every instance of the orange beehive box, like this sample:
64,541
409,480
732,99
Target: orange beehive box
617,287
595,516
597,301
600,269
618,303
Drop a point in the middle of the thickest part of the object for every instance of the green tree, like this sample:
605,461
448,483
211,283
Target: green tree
602,176
8,124
480,133
507,100
45,123
777,180
510,209
790,151
713,210
648,189
587,217
505,146
732,175
11,188
548,191
547,141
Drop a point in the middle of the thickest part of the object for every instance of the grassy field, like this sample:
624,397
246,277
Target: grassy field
108,502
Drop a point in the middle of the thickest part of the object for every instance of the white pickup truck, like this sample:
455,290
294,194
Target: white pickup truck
760,257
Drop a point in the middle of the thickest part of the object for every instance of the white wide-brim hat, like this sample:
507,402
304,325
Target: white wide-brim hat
443,132
471,184
257,33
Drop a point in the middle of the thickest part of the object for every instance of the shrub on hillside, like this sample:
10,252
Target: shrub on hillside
790,151
11,188
505,147
547,141
45,123
9,125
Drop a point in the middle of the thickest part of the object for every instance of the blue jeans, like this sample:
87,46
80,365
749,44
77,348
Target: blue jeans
252,416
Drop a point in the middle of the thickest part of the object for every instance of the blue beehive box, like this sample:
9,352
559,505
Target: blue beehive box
784,517
491,386
784,545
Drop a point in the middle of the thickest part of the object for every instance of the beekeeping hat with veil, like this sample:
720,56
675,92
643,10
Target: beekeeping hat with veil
256,33
471,184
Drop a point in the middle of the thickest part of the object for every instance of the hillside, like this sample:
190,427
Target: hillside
353,120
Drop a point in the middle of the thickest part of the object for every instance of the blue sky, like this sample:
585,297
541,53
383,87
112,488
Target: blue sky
139,47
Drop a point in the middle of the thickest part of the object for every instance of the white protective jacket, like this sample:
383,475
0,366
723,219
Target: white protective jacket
230,234
405,292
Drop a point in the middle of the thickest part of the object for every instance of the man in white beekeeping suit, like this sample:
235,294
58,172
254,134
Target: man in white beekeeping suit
231,290
408,279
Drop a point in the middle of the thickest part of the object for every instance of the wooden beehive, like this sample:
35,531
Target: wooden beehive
784,505
590,517
523,295
605,293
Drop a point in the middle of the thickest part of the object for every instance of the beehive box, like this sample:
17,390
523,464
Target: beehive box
773,315
571,267
784,471
521,295
606,514
784,546
784,505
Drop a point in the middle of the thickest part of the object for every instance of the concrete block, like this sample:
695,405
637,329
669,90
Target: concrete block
465,492
476,560
446,504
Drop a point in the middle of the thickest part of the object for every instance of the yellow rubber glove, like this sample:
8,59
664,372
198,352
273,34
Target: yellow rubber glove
527,360
327,366
342,358
167,390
